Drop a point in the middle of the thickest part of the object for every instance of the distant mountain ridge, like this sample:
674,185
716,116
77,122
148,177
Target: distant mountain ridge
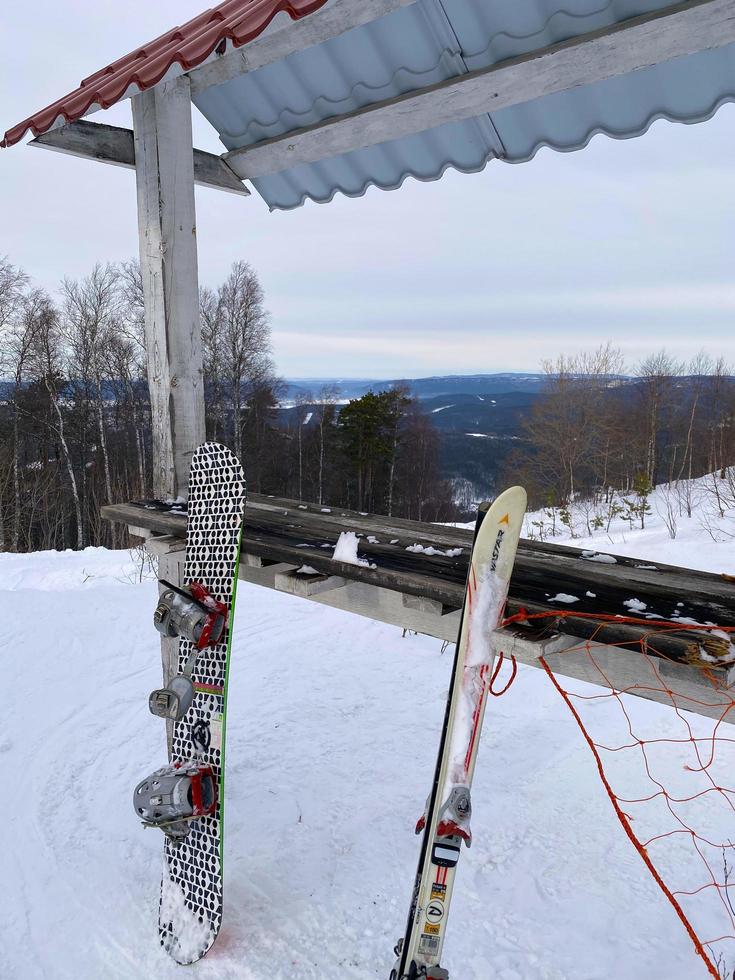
479,417
430,387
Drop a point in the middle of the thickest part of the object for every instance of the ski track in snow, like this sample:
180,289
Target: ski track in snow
333,730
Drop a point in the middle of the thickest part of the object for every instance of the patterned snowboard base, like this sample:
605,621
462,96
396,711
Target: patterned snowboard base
190,910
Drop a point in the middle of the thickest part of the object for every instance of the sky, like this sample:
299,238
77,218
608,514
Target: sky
628,241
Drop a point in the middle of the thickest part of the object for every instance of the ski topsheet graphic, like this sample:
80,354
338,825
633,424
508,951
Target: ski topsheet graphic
446,821
186,798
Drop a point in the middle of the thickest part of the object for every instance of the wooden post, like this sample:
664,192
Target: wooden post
164,158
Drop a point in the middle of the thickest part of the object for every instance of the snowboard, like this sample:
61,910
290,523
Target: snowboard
446,820
190,910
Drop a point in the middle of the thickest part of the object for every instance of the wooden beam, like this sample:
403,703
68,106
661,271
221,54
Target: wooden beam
634,44
285,36
115,145
168,258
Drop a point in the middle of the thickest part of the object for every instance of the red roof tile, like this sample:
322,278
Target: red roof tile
237,21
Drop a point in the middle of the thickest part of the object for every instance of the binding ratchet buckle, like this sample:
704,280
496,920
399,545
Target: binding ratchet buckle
191,612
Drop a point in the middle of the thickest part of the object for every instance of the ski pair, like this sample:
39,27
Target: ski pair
446,821
185,799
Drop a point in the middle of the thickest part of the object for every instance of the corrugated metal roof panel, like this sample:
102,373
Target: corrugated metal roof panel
417,45
403,51
466,146
686,90
434,40
237,21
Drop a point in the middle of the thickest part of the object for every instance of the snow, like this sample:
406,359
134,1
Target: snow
443,408
333,729
635,605
705,541
487,435
307,570
564,597
596,556
422,549
191,934
346,550
308,418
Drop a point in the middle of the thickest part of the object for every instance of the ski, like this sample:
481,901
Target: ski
446,821
185,799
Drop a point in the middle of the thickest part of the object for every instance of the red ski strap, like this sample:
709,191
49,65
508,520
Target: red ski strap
496,671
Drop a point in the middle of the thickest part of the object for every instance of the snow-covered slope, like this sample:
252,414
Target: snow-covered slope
705,540
333,728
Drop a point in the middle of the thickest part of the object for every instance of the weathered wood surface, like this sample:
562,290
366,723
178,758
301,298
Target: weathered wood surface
295,534
116,146
610,52
168,261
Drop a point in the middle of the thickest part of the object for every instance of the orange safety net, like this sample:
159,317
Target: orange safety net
669,775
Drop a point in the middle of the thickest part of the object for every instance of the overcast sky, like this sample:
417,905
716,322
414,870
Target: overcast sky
630,241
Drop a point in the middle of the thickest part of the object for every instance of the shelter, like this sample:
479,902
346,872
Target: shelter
315,97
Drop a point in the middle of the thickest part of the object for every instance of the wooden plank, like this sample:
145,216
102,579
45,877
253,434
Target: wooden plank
608,653
634,44
168,259
284,37
540,567
436,583
116,146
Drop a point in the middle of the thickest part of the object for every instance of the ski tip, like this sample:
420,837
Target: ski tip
509,502
512,500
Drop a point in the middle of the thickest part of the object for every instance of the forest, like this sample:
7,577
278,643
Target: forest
75,413
597,428
75,419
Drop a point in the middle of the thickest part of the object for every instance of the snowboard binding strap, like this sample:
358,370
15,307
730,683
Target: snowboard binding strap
195,614
191,612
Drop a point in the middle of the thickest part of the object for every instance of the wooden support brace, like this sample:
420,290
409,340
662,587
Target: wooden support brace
115,145
307,586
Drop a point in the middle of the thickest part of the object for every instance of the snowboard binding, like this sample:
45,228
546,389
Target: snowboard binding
195,614
174,796
191,612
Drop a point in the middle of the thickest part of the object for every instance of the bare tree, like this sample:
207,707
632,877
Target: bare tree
245,325
47,357
16,334
570,427
304,401
657,376
214,355
90,321
327,416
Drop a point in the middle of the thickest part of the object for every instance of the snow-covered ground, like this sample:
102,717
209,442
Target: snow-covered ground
704,540
333,727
